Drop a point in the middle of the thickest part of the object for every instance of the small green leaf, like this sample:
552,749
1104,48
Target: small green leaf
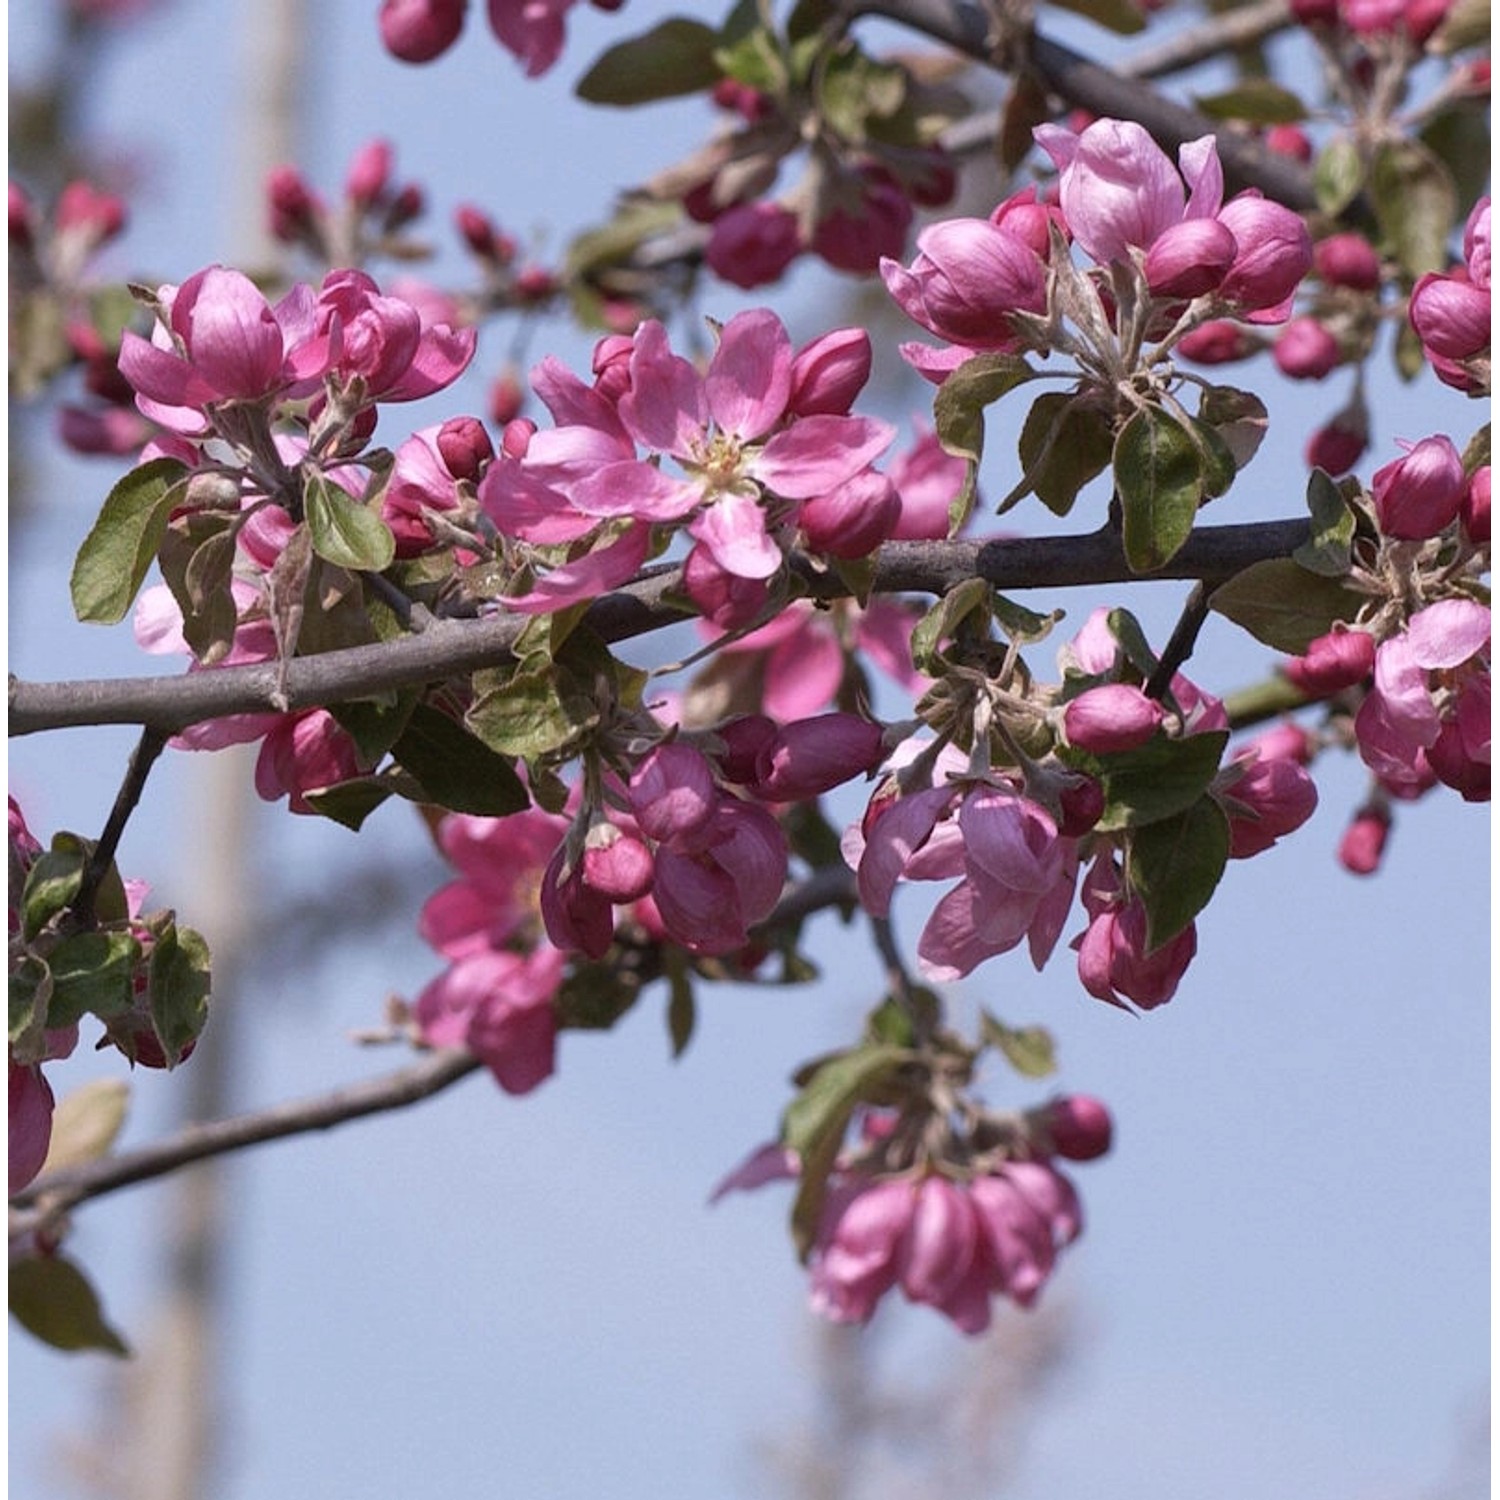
1219,466
675,57
1156,781
1030,1050
177,988
854,88
527,715
86,1123
375,724
1256,101
52,1300
595,995
349,803
682,1013
1174,866
1467,24
29,993
52,883
1239,417
943,619
958,414
457,769
1023,626
92,974
1283,605
1338,175
752,58
1327,550
1159,475
1064,443
893,1022
115,555
1126,629
345,531
1459,137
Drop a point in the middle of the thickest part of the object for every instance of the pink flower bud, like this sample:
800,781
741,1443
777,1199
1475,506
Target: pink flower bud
1336,447
1363,843
829,373
22,228
1290,140
744,739
1218,342
1417,496
1332,663
1451,316
1190,258
1305,350
478,230
368,174
1112,718
90,215
813,756
967,278
293,206
1348,259
752,244
1272,797
1316,12
409,203
1421,18
1080,805
1274,254
936,1250
1076,1127
465,447
854,519
1030,220
417,31
1459,763
30,1123
1287,741
1477,242
1474,513
616,864
507,397
535,284
856,241
724,599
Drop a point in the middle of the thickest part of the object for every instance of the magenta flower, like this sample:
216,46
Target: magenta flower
1111,718
417,31
1332,662
1265,796
1418,496
1114,963
752,244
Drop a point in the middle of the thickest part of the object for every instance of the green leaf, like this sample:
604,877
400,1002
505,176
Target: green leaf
1459,137
1327,550
1257,101
943,619
177,988
1119,16
682,1013
1239,418
814,1123
52,883
675,57
1126,629
1467,24
345,531
528,715
115,555
92,974
52,1300
1159,475
1219,466
752,58
350,802
375,724
1338,175
1158,780
1174,866
1283,605
854,88
457,769
1064,443
1415,204
893,1023
1023,626
595,995
29,992
958,415
86,1123
1030,1050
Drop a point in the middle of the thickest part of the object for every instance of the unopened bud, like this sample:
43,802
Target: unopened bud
465,447
1332,663
369,173
1363,843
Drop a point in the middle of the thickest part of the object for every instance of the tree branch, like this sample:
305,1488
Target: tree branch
449,648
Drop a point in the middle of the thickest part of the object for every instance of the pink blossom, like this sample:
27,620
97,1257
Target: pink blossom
1274,253
829,372
1217,342
1363,845
1477,243
1265,797
302,753
1305,350
30,1122
852,519
1110,719
1420,495
811,756
1190,258
499,1005
1451,315
417,31
1336,447
1332,662
927,479
1474,513
531,30
752,244
672,792
1076,1127
1114,963
855,235
1348,259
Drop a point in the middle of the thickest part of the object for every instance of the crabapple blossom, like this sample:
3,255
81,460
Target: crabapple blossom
1265,795
1474,511
1420,495
1114,963
1332,662
1363,845
1347,259
1305,350
1113,717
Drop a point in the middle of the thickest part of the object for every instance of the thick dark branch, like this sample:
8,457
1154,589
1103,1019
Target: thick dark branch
449,648
1104,91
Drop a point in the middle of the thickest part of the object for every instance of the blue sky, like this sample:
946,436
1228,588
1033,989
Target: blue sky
1283,1288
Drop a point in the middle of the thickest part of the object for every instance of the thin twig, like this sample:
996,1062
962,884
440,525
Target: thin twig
142,758
1180,645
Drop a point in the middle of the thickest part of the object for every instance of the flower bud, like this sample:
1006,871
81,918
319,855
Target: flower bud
1451,316
1417,496
369,173
744,739
1305,350
1218,342
1109,719
1080,805
22,228
854,519
1316,12
1290,140
672,792
1474,513
1349,260
507,397
1477,243
829,373
616,864
752,244
1190,258
1364,840
857,241
417,31
465,447
1336,447
1076,1127
1270,798
1332,663
92,216
1274,254
813,756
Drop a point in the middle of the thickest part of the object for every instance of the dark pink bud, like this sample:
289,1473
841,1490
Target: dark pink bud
854,519
408,204
417,31
369,173
577,917
1337,447
516,437
744,739
1287,741
1417,496
507,398
91,215
465,447
478,230
293,206
21,218
1290,140
1364,840
722,598
1110,719
829,373
937,184
1348,259
1474,513
752,244
1451,316
856,241
1332,663
616,864
813,756
1218,342
1455,764
1189,258
1423,17
1305,350
1031,221
1274,254
535,284
1076,1127
1316,12
1080,806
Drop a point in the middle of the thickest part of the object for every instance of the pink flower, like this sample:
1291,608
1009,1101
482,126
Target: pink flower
1110,719
417,31
1336,447
1348,259
1332,662
1305,350
30,1122
499,1005
1420,495
855,235
1268,796
927,478
752,244
1451,315
531,30
1076,1127
1274,254
1189,258
812,756
829,372
1363,845
1474,513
